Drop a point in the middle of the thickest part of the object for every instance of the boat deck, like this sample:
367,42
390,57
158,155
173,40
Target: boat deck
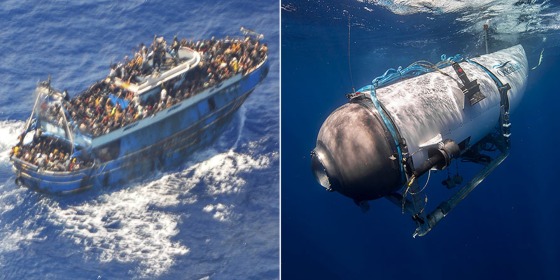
132,92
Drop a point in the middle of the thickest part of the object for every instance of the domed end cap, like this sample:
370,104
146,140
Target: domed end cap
355,154
318,161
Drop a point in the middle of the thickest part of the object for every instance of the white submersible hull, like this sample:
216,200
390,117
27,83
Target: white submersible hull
387,136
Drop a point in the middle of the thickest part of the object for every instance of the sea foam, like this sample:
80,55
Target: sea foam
138,224
9,129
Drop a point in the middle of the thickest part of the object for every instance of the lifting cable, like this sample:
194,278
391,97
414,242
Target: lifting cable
349,63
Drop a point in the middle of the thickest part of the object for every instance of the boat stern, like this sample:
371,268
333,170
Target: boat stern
38,179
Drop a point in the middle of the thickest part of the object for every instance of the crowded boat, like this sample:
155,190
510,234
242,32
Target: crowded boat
123,98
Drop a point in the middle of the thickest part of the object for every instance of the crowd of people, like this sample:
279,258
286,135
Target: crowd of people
94,112
49,153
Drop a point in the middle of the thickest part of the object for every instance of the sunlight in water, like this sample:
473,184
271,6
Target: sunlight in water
505,17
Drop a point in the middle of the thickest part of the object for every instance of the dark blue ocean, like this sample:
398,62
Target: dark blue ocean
215,217
506,229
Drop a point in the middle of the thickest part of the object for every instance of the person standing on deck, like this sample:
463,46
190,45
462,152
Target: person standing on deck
175,49
163,96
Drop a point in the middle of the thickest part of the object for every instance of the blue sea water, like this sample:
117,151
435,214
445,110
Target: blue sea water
506,229
215,217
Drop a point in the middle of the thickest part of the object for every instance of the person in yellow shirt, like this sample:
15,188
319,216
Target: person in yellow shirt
16,151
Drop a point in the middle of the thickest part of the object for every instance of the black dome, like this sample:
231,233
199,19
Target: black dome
355,154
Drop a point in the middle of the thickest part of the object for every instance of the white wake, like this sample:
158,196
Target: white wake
139,223
9,131
136,225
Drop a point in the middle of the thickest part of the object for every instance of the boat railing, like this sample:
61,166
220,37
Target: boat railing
24,164
28,166
250,70
190,59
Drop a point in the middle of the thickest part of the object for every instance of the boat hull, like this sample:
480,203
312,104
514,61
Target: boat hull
160,142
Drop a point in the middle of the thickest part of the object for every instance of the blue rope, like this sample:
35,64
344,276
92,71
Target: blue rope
415,69
390,126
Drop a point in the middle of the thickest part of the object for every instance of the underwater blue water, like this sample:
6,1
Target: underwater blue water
507,228
215,217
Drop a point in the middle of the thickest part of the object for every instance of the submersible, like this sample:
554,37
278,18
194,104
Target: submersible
421,118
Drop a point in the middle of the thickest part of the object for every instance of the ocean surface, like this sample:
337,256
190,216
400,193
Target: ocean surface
507,228
215,217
